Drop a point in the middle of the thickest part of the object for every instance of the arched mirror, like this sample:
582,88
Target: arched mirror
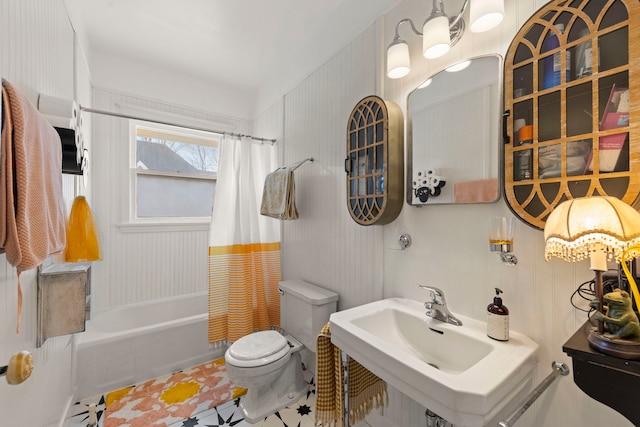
454,136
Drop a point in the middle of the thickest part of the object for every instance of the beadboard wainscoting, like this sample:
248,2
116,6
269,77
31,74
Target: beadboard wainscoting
450,250
147,261
38,54
325,246
449,242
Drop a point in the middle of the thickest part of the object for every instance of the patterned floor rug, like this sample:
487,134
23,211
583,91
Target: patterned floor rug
163,401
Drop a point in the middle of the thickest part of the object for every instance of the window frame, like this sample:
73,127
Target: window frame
136,223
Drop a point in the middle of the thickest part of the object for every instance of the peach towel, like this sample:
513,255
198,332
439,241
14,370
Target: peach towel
479,191
32,217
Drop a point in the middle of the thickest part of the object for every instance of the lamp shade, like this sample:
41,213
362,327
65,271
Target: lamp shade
398,60
436,40
578,227
485,15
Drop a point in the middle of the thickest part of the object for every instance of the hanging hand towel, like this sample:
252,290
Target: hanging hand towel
32,219
365,392
278,195
329,385
82,238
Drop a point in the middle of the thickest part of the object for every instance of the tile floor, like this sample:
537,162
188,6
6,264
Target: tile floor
300,414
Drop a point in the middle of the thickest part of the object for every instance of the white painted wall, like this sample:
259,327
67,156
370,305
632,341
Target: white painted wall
325,246
37,56
450,248
145,262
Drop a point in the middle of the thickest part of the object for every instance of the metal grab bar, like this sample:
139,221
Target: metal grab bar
559,369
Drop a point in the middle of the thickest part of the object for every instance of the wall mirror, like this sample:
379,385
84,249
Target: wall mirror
454,133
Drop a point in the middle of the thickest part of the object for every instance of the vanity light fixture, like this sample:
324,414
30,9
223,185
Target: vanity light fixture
597,228
440,32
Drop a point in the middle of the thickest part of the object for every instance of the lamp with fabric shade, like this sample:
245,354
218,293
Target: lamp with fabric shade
598,228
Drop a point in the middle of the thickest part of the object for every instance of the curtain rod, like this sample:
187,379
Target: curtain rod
125,116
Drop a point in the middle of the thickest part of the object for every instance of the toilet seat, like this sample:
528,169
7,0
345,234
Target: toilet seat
257,349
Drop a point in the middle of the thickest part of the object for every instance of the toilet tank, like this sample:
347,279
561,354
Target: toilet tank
305,309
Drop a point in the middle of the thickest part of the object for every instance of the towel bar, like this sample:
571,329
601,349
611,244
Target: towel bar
559,369
297,165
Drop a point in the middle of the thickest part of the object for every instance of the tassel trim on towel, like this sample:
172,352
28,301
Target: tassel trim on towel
329,384
365,393
373,397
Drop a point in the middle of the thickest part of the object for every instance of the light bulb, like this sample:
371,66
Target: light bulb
425,83
435,36
459,66
398,60
485,15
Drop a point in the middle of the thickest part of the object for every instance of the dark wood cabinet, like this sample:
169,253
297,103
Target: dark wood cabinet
609,380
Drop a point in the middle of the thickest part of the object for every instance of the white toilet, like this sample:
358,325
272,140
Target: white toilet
267,363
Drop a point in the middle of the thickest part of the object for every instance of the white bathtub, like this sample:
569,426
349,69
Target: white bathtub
125,346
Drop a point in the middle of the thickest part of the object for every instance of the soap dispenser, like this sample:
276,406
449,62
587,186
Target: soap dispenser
498,319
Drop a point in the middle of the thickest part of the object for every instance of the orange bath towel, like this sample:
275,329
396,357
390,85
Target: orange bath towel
82,238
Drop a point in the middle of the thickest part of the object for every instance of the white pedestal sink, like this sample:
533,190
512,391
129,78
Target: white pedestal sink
457,372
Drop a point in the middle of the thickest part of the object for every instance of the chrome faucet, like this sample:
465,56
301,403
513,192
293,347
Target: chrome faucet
437,306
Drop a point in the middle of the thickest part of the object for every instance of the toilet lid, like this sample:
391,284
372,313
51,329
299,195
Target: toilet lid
266,346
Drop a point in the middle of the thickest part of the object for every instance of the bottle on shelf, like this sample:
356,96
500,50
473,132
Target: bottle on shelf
583,56
524,168
552,64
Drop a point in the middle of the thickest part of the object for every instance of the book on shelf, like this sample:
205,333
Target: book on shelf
610,147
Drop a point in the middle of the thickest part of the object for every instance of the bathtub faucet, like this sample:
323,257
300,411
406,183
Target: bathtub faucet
437,306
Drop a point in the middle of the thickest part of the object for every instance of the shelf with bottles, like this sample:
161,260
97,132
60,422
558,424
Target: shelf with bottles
569,135
561,58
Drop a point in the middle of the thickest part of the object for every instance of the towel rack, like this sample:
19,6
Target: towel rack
300,163
559,369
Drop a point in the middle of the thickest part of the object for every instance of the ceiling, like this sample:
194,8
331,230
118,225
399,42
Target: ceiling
251,46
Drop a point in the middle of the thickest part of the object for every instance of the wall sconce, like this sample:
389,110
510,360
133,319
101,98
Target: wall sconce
440,32
597,228
501,239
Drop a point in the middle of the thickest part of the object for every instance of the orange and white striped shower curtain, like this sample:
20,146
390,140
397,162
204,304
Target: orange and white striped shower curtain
244,247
